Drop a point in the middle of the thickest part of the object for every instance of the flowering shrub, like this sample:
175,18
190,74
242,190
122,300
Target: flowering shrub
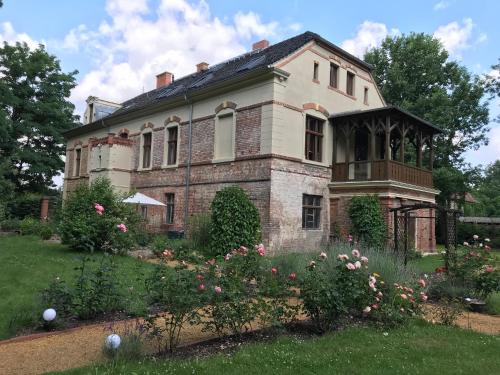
174,299
332,292
95,218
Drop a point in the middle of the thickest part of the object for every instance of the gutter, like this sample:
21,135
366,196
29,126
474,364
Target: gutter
188,167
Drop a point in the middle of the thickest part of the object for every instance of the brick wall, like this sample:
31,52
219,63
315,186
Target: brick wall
248,125
158,147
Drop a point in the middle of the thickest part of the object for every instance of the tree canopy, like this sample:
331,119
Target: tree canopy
34,112
414,72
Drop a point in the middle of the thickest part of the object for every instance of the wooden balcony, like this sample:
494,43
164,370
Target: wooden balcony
380,170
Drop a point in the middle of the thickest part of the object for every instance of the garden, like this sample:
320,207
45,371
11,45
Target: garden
217,300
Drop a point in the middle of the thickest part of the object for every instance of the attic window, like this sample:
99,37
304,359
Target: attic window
315,71
350,84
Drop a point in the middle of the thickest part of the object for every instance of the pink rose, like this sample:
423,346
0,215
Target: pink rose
261,250
218,290
375,306
349,238
421,282
122,227
292,276
323,256
274,270
201,287
355,253
380,294
357,264
199,277
351,266
403,296
227,257
489,269
423,297
166,253
99,209
364,259
343,257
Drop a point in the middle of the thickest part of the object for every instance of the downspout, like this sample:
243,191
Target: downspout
188,167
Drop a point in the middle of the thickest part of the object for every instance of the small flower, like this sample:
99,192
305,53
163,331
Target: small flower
163,278
99,209
475,236
375,274
466,244
323,255
349,238
343,257
199,277
355,253
166,253
122,227
403,296
486,240
227,257
274,270
367,310
489,269
380,294
423,297
292,276
364,259
481,244
487,248
357,264
218,290
372,286
261,250
421,282
201,287
243,250
351,266
312,264
375,306
372,280
210,262
385,334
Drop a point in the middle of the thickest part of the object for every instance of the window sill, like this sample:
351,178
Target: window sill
316,81
222,160
170,166
313,229
317,163
144,169
342,92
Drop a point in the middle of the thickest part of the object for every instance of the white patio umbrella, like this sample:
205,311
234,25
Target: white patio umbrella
139,198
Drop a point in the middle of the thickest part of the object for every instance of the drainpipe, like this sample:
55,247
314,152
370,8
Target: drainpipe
188,167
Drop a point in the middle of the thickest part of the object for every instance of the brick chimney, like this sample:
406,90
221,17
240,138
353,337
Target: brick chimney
201,66
164,79
260,45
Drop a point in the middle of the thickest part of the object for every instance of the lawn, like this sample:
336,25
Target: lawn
417,349
28,265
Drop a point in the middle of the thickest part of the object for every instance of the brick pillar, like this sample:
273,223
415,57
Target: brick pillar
44,209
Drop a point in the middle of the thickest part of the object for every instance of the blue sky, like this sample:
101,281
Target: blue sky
119,45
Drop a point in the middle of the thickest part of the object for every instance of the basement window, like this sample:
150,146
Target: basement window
311,211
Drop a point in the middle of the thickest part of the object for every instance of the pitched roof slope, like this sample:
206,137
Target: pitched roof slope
239,65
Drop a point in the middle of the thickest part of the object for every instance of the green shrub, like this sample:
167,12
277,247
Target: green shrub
84,229
45,232
10,225
235,221
368,223
30,226
199,231
159,244
24,205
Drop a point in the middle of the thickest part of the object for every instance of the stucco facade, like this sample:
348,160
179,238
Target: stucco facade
264,137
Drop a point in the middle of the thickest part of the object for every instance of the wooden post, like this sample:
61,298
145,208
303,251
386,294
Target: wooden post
419,149
402,133
347,133
431,152
334,148
387,145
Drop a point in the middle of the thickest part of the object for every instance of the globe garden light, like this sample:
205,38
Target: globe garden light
49,315
113,341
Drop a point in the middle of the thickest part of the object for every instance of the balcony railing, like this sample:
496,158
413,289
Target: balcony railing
381,170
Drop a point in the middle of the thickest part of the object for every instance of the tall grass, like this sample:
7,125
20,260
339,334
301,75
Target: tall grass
384,262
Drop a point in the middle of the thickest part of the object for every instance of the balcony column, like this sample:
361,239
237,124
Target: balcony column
387,145
431,151
419,149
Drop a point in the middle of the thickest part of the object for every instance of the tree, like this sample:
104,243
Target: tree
413,72
492,82
34,112
487,192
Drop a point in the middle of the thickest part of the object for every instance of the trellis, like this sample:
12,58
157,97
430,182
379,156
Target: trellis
402,219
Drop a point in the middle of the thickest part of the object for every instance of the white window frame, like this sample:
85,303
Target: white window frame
171,125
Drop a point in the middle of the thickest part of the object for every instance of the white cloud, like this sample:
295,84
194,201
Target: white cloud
486,154
370,34
139,42
442,5
9,35
455,37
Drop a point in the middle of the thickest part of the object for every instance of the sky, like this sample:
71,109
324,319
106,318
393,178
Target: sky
118,46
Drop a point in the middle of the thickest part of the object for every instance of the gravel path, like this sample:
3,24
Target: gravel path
82,346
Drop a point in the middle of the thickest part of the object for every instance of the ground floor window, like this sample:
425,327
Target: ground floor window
311,211
169,201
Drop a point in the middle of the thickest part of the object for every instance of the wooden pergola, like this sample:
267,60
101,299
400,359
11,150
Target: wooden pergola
375,145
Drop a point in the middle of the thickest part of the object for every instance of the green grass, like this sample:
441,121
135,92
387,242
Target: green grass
28,265
429,263
419,348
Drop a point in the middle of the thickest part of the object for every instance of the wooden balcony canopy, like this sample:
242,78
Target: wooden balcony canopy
385,143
